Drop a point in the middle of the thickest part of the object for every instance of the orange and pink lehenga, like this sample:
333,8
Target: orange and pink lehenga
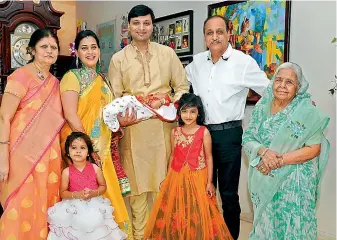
34,157
183,211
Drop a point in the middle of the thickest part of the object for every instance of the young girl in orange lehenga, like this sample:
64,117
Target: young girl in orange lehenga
186,206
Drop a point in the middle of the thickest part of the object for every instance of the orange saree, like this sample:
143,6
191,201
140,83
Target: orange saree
34,157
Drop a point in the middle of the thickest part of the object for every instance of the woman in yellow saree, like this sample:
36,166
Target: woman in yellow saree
84,93
30,155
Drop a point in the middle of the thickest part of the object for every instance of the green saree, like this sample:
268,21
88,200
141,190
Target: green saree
285,205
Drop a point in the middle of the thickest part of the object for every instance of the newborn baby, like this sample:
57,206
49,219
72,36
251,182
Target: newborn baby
158,105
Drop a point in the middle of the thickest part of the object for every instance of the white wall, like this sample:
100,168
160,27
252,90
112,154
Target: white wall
311,48
67,33
312,29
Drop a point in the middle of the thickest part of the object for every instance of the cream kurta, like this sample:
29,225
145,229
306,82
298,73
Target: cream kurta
145,147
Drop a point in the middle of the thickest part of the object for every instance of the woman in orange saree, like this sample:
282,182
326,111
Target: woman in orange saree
30,155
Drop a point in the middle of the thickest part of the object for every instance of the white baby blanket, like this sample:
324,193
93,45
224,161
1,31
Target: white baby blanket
119,105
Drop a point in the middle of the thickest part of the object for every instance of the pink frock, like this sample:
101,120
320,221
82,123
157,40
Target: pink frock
77,219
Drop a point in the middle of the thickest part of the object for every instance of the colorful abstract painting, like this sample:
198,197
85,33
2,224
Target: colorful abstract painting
258,28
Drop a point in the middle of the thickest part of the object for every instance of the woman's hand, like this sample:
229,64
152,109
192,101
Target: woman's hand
97,159
4,162
261,167
270,160
128,119
210,190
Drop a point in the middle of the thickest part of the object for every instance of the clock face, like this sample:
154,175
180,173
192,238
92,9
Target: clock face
20,54
19,43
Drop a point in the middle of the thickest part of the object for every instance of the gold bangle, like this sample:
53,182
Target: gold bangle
5,142
264,152
282,161
97,193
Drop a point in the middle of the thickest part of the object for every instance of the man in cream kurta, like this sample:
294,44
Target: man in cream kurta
140,69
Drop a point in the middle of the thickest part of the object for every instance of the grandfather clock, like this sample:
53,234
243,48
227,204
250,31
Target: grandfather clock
18,20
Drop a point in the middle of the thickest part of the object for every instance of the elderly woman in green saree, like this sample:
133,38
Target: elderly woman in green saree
287,153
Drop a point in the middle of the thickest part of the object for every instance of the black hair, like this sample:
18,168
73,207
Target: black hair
139,11
188,100
37,36
75,135
217,16
83,34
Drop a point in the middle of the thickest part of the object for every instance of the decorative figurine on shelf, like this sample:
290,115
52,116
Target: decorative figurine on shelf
72,49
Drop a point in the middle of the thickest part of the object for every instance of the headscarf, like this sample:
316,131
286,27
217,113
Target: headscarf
262,108
301,88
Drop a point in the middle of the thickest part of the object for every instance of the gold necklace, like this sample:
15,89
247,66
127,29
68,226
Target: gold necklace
39,72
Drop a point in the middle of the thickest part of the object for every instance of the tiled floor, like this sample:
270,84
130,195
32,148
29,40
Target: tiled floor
246,224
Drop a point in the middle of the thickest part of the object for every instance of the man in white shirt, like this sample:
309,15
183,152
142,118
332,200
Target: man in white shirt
222,78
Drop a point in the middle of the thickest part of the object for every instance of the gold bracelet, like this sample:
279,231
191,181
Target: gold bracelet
5,142
97,193
282,160
264,152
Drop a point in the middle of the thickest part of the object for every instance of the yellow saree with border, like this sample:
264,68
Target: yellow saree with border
94,94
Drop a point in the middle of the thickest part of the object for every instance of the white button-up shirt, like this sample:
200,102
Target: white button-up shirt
224,85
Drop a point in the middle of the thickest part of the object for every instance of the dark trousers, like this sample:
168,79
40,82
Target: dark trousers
226,148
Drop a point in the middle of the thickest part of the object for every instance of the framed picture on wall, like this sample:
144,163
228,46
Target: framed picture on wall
173,30
260,29
185,60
